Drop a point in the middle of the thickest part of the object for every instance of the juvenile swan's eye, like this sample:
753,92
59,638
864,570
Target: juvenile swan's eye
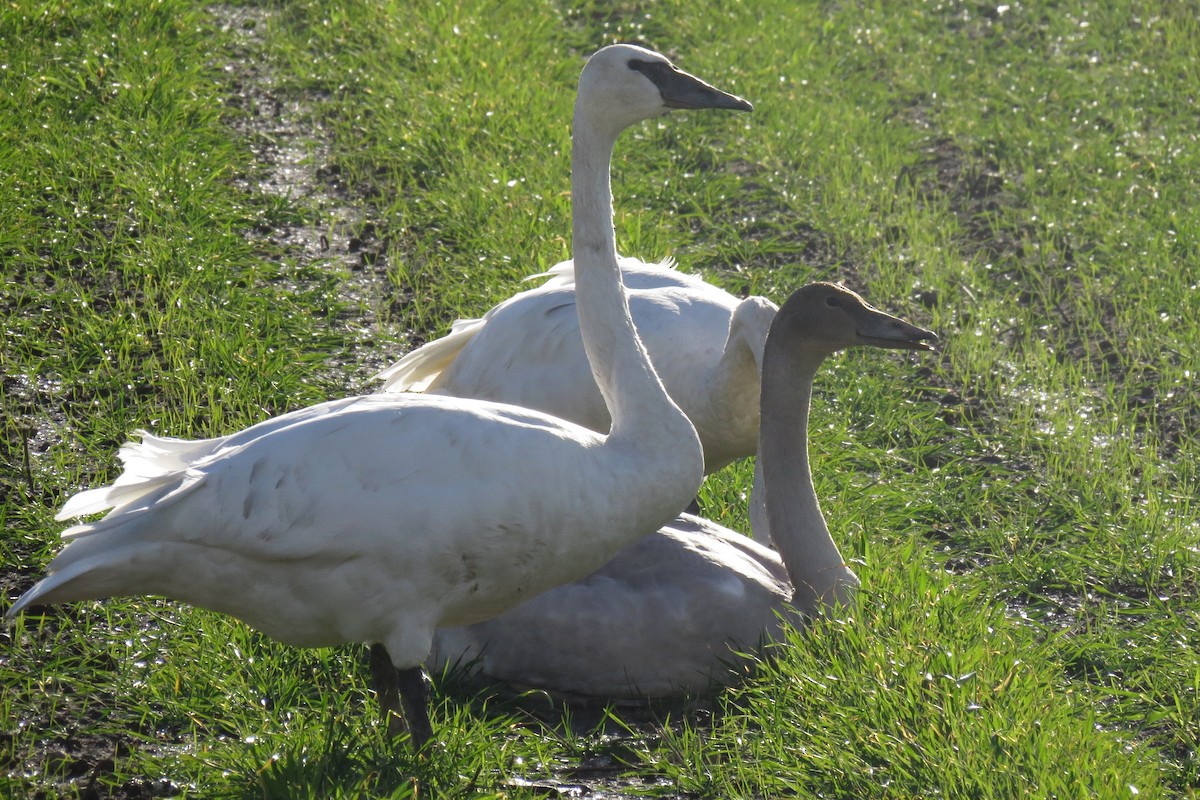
833,301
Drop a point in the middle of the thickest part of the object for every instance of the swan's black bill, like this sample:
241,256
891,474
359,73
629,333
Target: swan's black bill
880,329
681,90
893,333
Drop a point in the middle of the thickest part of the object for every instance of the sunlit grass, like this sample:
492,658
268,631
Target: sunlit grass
1021,507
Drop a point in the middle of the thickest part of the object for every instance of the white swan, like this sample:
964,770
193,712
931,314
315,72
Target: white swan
705,344
668,614
376,519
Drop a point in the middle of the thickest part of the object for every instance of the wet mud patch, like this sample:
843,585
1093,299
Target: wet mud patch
82,766
333,244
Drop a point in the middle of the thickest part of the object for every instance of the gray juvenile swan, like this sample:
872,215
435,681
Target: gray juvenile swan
668,614
376,519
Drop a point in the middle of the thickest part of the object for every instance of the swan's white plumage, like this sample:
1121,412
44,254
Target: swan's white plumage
638,274
429,362
674,611
271,502
374,519
705,343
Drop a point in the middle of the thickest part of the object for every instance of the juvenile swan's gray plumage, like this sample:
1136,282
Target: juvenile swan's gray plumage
375,519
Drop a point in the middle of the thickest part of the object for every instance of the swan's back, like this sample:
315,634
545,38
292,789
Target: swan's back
517,319
528,351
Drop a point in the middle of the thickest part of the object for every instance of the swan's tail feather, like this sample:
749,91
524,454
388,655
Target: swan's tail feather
119,554
158,455
130,502
149,465
93,501
420,368
561,274
105,574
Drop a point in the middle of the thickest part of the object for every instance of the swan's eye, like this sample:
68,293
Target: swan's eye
833,302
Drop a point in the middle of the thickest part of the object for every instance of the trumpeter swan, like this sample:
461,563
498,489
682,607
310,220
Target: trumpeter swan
376,519
705,344
669,613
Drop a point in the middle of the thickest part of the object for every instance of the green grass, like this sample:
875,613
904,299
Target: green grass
1021,508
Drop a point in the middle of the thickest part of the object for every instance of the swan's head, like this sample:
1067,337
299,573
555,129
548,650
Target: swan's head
623,84
824,318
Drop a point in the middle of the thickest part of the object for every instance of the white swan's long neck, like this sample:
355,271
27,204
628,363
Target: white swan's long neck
636,400
797,526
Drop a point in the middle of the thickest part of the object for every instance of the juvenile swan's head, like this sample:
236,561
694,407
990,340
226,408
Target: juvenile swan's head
823,318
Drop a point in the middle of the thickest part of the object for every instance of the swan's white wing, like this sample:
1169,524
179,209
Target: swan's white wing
520,320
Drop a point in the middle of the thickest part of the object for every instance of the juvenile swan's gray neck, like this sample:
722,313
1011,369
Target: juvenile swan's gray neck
797,526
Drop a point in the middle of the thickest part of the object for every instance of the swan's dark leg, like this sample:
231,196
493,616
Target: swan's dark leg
415,695
394,687
383,681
